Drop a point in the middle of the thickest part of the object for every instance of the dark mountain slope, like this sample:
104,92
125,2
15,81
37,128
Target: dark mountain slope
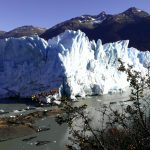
133,24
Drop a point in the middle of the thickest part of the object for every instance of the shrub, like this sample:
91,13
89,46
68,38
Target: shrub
126,128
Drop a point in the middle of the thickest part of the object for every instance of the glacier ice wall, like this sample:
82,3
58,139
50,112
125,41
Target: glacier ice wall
29,65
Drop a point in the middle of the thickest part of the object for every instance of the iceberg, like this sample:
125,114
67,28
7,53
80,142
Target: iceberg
70,63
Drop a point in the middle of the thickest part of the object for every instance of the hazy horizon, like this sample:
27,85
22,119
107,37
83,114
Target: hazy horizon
46,13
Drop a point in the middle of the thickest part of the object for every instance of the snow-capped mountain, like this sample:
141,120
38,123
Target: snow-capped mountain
23,31
84,22
70,61
132,24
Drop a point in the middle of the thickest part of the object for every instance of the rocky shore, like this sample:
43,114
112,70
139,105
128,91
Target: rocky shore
22,125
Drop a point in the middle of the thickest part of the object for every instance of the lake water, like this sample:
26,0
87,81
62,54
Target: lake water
57,134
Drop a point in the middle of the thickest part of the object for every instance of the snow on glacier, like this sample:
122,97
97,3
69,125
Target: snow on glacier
69,62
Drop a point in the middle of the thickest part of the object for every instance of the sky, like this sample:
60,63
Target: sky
47,13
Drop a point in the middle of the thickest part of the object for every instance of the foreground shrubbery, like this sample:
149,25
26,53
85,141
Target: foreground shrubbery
127,128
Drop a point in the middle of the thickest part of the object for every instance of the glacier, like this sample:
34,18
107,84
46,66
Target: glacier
69,62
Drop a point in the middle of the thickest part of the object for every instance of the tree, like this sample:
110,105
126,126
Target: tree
127,128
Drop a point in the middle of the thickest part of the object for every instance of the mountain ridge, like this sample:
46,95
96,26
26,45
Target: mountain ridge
26,30
132,24
110,28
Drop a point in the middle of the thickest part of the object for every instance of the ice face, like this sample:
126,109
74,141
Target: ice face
69,62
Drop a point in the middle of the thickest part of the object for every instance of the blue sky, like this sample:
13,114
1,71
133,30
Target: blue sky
46,13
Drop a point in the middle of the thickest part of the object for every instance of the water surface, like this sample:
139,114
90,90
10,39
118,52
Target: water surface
57,134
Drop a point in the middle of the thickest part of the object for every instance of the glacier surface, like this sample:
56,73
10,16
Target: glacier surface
68,62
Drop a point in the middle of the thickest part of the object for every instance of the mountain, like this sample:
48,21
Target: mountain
69,62
23,31
83,22
132,24
2,32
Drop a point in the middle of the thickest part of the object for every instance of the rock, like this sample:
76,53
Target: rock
29,139
39,143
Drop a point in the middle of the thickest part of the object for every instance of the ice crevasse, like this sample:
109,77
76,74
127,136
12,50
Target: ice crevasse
68,62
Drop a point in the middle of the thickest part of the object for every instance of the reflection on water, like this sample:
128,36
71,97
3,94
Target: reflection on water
12,104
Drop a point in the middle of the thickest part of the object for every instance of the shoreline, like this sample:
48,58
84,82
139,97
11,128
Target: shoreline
23,125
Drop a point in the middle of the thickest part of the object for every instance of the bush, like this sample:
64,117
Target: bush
127,128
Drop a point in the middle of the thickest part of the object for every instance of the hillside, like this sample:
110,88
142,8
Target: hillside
132,24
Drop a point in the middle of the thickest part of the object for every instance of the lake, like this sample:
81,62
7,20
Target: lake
57,135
